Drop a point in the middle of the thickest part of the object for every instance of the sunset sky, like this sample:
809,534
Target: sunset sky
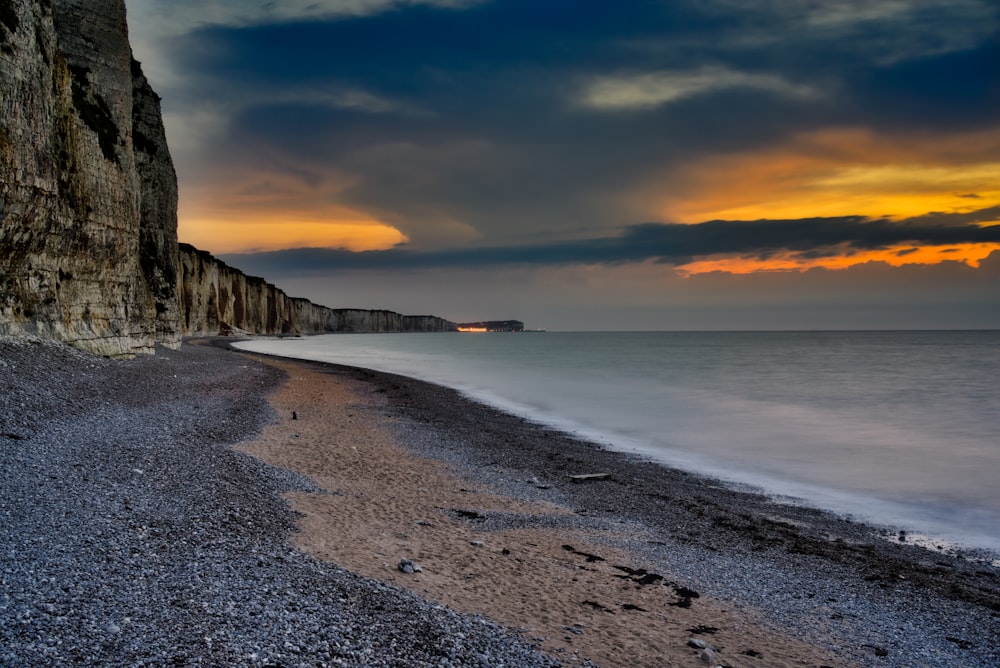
638,164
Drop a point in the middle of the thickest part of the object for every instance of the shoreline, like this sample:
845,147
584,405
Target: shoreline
136,532
799,567
927,499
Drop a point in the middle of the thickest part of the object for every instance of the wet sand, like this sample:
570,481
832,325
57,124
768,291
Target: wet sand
622,570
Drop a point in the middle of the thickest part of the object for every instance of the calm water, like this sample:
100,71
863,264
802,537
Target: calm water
899,428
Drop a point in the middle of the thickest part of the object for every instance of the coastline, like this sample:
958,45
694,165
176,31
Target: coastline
133,533
841,585
136,532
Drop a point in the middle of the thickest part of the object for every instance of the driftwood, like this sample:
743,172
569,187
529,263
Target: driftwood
589,476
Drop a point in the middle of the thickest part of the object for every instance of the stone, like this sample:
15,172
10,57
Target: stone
408,567
697,643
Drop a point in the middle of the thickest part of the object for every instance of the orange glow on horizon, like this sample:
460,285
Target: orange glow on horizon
473,329
837,173
897,256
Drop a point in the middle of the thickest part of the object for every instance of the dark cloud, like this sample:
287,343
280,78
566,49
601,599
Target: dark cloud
668,243
953,90
475,115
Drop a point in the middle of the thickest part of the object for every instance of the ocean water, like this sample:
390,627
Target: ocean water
901,429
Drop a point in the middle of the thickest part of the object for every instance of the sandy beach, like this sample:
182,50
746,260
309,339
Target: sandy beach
530,565
212,507
483,502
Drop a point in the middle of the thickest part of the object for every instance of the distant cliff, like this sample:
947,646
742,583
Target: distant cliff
215,298
88,202
492,326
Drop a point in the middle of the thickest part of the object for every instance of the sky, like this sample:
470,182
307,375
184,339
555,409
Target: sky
594,165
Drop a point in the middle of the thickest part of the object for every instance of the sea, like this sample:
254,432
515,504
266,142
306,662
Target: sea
900,429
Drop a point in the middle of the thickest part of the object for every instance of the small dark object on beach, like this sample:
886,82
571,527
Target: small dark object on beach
686,595
684,592
295,416
597,606
629,606
879,651
591,558
752,652
701,629
639,575
467,514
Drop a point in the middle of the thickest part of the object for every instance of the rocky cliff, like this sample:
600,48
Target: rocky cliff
88,202
215,298
78,194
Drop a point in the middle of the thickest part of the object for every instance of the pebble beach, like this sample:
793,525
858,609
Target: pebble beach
211,507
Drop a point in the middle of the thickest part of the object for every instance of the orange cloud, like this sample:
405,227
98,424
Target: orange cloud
842,172
835,173
897,256
275,232
246,211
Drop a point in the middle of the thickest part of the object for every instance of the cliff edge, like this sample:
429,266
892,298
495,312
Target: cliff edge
88,202
72,199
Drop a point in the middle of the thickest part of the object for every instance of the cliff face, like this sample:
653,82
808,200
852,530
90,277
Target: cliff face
158,256
88,202
215,298
77,196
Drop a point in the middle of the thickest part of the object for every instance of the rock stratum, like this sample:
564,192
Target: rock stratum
88,203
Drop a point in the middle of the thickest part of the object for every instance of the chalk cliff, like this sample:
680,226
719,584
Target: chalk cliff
215,298
88,202
70,183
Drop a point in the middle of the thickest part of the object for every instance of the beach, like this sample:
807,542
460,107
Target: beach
207,506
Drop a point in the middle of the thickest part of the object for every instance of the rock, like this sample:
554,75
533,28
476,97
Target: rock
707,655
697,643
408,567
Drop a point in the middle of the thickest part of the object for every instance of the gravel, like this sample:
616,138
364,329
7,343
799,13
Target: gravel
131,534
